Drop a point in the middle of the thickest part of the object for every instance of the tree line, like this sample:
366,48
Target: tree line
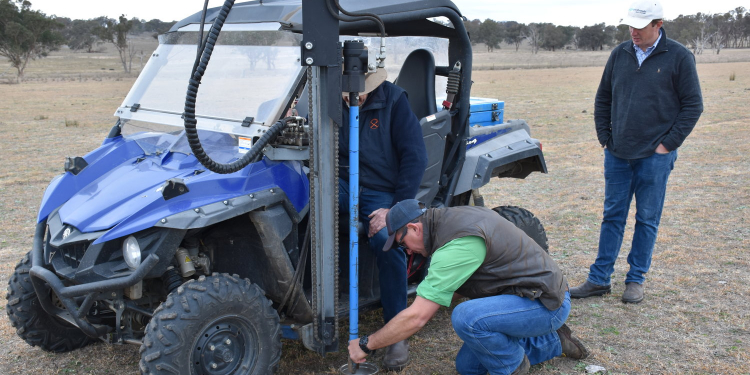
699,32
27,34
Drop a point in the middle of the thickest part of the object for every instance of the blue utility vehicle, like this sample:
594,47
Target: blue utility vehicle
205,229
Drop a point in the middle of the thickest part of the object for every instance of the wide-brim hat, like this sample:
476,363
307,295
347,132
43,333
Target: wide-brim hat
373,80
642,12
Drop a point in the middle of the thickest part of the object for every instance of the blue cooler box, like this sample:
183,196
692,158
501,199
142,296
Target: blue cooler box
486,111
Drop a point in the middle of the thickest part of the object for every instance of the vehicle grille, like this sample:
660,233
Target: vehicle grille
73,253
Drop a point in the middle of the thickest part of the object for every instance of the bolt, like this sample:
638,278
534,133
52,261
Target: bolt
309,61
271,191
197,210
371,67
228,342
226,202
252,196
213,365
308,45
212,348
163,221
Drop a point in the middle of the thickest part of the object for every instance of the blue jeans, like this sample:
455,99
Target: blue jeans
498,331
646,179
391,264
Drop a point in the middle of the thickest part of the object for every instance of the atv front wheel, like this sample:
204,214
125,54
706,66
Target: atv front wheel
217,325
527,222
32,323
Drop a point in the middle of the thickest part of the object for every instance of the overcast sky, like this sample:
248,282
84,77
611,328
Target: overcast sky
564,13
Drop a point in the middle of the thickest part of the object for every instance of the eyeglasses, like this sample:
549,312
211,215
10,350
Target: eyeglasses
401,240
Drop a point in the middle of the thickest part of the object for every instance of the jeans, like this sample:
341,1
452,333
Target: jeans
646,179
497,332
391,264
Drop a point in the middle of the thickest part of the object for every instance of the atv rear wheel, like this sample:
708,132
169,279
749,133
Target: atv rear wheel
32,323
527,222
217,325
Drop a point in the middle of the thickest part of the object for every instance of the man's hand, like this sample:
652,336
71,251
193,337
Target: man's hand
661,149
355,352
377,220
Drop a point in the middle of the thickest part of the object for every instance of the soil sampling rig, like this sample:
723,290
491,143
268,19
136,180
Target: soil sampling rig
206,228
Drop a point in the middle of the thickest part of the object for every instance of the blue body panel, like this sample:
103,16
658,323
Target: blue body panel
121,188
475,141
112,152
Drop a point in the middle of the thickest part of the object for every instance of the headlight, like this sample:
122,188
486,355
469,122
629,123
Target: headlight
131,251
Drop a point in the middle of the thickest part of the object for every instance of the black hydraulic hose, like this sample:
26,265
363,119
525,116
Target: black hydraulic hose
356,16
201,41
298,273
191,123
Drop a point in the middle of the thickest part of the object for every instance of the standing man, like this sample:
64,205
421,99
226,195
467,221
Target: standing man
392,160
520,297
648,101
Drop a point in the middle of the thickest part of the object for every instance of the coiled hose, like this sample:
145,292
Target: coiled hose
191,130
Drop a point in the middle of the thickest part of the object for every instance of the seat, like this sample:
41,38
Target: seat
417,77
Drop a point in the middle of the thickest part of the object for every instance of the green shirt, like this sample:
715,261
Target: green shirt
450,267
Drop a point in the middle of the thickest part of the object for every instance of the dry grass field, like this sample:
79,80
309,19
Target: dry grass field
696,315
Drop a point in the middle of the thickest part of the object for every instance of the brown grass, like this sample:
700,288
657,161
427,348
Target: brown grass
694,319
508,58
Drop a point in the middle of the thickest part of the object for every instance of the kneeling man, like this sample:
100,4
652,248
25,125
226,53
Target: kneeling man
519,296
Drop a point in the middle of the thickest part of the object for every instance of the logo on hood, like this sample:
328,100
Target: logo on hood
66,233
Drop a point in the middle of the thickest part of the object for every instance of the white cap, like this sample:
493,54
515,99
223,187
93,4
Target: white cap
642,12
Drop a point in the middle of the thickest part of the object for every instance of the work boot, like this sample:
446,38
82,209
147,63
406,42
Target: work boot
588,289
633,293
572,347
523,368
396,356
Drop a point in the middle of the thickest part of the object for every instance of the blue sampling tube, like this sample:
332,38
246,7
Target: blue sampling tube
353,215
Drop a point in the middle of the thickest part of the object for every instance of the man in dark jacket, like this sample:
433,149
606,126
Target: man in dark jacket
392,160
648,101
519,297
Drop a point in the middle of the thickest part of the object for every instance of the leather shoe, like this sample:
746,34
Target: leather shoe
523,368
572,347
633,293
396,356
588,289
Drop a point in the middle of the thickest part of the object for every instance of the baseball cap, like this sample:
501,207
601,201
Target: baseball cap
401,214
642,12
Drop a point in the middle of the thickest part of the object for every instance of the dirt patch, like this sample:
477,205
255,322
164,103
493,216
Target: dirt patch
694,319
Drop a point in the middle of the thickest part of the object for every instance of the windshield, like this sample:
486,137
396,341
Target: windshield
250,80
247,83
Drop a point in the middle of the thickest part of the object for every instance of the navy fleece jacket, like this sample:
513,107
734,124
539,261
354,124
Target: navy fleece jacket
637,108
392,154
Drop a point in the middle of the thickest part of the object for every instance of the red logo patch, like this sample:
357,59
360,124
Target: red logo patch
374,124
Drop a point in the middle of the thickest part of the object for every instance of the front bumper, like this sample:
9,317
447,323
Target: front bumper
78,299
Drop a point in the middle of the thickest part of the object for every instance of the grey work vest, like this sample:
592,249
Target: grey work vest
514,263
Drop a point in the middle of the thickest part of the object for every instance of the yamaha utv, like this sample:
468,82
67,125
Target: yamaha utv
205,227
